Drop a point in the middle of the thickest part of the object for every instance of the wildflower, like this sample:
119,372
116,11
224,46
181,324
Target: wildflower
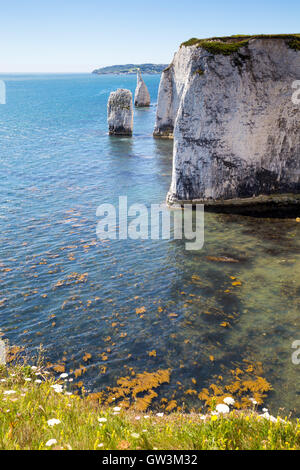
3,380
222,408
269,417
28,379
265,410
137,418
33,367
146,417
203,417
53,421
101,444
229,401
58,388
38,381
159,414
63,375
51,442
102,420
135,435
253,401
9,392
117,408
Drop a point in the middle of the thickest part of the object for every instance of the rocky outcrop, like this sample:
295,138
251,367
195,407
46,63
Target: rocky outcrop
229,104
141,96
2,351
120,112
172,84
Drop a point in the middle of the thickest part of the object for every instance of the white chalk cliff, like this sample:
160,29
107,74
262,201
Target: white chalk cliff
141,96
236,128
120,112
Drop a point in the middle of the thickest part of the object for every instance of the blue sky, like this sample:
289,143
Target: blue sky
80,35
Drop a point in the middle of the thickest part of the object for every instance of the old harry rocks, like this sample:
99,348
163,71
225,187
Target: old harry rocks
228,104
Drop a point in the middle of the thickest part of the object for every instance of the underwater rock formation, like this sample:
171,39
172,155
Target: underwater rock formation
120,112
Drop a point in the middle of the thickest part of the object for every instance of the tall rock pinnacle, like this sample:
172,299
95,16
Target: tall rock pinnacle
120,112
141,97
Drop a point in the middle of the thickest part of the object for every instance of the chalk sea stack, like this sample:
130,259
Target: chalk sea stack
141,96
120,112
228,103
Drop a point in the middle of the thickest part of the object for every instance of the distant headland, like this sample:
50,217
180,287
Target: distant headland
131,69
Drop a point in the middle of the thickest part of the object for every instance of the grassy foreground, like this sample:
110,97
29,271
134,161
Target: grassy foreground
36,412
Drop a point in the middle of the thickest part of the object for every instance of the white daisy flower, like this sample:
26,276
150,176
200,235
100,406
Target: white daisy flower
229,401
57,388
222,408
269,417
53,422
102,420
51,442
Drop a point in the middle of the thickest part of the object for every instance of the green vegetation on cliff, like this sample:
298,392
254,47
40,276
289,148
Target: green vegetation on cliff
229,44
37,412
131,69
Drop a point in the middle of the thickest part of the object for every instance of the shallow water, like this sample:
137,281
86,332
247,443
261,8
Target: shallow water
57,165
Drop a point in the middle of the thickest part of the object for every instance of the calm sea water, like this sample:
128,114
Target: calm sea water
64,289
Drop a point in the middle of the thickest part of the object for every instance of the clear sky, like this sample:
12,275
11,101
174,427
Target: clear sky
80,35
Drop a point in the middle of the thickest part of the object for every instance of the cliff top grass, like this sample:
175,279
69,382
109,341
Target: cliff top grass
229,44
38,413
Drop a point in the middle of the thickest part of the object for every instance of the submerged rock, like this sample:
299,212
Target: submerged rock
120,112
141,96
236,127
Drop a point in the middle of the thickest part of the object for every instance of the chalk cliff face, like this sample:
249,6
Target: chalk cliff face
172,84
236,128
141,96
120,112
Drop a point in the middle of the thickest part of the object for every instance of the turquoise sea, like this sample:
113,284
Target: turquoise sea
125,307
